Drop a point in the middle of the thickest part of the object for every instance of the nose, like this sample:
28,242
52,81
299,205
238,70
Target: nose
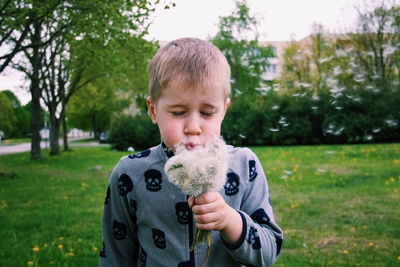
193,125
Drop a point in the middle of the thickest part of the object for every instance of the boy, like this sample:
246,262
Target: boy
148,221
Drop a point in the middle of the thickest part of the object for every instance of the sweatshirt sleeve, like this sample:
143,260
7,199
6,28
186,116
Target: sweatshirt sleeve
120,245
261,239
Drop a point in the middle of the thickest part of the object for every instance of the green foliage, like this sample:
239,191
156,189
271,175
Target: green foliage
238,40
340,88
68,44
331,202
15,118
137,132
7,115
92,108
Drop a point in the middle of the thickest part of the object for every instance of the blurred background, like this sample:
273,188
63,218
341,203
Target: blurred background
315,92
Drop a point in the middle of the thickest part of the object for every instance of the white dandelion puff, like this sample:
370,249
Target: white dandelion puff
199,170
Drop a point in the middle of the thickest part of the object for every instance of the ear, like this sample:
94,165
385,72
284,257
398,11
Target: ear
151,109
227,104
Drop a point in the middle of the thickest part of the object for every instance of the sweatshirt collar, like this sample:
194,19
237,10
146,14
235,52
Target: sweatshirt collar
168,151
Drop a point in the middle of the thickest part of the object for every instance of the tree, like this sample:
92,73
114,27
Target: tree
238,40
372,81
7,115
20,126
50,27
93,107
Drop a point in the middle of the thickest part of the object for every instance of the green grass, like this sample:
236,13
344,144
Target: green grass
337,205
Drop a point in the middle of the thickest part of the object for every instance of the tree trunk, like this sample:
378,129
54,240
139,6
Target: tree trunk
54,135
35,121
65,133
35,93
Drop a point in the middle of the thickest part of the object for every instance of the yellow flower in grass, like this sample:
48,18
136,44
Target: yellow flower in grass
29,263
345,251
60,246
61,238
95,249
35,249
398,258
371,244
71,254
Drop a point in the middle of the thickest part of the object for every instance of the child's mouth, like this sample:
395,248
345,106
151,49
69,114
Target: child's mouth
191,146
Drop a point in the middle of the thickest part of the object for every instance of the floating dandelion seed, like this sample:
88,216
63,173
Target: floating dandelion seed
337,71
274,107
286,174
359,78
282,120
369,137
391,122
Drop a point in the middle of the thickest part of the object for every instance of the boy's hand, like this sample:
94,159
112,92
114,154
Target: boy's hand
211,212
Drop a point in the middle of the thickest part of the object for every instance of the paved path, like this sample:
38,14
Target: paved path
24,147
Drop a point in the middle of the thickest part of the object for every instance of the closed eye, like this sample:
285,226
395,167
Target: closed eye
178,113
207,113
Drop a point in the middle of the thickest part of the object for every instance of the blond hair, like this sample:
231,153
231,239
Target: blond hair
190,61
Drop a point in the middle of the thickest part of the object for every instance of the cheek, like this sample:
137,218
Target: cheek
170,134
213,128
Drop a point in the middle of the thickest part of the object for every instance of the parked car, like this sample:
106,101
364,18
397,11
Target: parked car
103,138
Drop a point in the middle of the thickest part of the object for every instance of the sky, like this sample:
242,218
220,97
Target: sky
280,20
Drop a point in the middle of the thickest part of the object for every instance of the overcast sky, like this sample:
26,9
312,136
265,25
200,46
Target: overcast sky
281,20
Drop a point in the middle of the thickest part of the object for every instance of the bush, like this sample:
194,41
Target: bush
137,132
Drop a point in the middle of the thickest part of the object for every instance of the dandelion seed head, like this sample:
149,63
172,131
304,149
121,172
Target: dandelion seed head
199,170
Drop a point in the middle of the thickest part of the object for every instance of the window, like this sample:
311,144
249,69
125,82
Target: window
271,68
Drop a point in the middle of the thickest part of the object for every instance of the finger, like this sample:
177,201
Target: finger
205,208
191,202
205,218
207,198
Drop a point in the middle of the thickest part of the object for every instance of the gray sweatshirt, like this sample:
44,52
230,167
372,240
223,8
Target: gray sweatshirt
147,220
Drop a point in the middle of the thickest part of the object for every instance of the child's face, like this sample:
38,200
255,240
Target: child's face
188,116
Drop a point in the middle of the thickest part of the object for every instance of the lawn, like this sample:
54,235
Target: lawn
337,205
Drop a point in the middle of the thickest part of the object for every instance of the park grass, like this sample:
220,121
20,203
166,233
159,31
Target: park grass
337,205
